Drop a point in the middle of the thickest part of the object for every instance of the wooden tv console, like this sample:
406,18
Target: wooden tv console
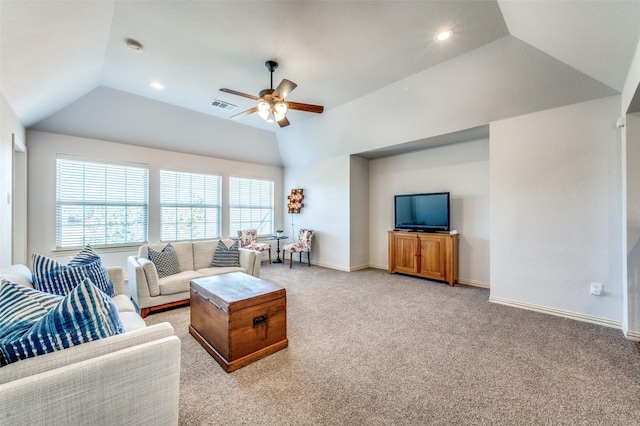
426,255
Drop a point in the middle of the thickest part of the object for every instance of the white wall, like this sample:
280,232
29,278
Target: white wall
9,126
631,290
19,222
556,197
43,148
461,169
358,213
499,80
109,114
630,93
326,209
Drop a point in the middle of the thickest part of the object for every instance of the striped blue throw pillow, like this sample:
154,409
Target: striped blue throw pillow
83,315
226,256
54,277
96,271
21,307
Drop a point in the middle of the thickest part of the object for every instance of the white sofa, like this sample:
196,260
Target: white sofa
152,293
130,378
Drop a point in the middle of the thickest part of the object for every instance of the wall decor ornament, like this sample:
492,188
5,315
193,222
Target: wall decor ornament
295,201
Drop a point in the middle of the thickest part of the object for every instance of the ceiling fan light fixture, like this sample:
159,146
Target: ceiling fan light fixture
280,110
271,117
263,110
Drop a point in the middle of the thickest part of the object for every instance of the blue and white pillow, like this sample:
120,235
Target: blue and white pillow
54,277
166,261
83,315
21,307
226,256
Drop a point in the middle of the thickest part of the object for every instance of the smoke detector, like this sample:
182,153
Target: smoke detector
134,46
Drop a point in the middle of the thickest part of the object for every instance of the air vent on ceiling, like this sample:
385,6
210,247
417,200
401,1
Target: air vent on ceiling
224,105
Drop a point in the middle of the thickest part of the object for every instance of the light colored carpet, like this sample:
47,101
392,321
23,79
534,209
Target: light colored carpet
369,348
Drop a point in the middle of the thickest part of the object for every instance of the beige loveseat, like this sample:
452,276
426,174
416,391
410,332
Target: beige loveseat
152,293
130,378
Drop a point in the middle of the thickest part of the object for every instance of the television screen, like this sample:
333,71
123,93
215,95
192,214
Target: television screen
422,212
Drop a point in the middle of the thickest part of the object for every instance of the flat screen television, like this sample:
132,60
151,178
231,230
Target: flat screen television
422,212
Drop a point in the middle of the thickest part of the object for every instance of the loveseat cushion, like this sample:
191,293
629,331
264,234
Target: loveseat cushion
17,273
54,277
166,261
178,283
209,272
83,315
131,321
183,249
123,303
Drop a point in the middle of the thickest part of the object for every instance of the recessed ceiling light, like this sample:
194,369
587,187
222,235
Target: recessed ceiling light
444,35
157,85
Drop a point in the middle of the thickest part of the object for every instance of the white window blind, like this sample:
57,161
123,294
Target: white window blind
102,204
189,205
250,205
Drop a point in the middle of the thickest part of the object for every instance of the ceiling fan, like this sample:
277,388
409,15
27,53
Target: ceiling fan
271,103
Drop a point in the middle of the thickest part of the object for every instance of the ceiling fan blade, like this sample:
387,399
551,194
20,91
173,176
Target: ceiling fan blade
284,88
284,122
233,92
244,113
305,107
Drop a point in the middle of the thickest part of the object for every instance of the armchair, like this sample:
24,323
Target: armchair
303,245
249,240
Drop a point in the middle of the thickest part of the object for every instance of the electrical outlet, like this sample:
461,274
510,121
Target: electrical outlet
596,289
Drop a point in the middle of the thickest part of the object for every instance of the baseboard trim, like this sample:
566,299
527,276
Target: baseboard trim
474,283
632,335
557,312
358,267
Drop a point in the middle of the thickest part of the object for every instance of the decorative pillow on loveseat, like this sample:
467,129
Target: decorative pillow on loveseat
226,256
54,277
44,324
166,261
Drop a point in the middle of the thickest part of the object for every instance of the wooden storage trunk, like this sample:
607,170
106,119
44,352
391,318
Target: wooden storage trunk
238,318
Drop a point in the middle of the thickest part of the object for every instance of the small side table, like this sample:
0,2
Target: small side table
277,247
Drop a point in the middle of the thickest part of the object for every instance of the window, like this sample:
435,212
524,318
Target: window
189,205
102,204
250,205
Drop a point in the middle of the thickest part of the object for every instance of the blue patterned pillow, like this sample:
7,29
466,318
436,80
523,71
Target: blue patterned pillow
166,261
225,257
21,307
54,277
96,271
83,315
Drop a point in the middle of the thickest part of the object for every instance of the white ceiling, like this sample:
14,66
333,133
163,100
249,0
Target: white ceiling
55,52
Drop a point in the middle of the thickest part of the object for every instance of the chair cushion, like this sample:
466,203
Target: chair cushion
54,277
296,248
166,261
258,246
83,315
226,256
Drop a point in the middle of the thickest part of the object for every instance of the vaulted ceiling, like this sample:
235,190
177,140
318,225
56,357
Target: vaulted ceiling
54,53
